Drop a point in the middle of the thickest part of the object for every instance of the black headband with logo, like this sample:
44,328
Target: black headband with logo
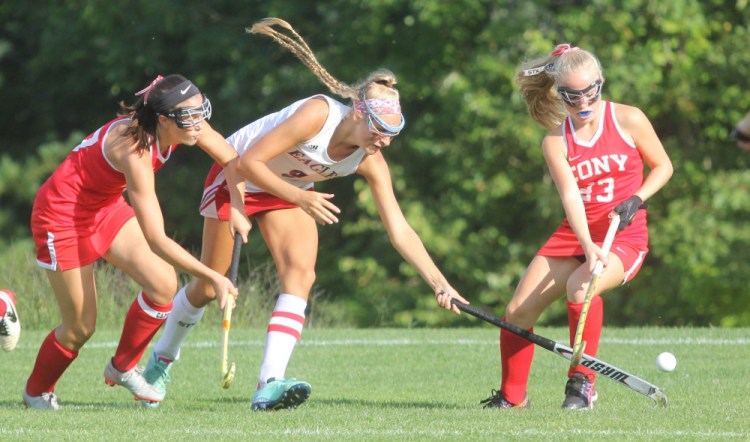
170,99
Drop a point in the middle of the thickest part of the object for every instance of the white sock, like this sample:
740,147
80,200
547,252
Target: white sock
284,330
179,324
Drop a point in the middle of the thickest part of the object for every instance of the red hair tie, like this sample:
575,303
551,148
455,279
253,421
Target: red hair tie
562,48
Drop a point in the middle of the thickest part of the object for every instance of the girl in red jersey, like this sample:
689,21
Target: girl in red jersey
282,156
80,215
595,152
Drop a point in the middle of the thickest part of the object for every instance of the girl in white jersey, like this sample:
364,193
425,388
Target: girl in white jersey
282,156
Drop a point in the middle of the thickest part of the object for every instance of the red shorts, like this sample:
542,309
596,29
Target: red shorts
70,248
630,245
216,202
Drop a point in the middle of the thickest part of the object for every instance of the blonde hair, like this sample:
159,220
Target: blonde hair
538,79
379,84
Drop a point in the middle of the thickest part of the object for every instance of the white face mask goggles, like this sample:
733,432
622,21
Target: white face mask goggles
186,117
577,97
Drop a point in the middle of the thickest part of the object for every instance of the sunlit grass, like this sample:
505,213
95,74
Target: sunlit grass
388,384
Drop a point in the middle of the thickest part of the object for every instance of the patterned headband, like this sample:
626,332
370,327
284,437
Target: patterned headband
559,50
381,106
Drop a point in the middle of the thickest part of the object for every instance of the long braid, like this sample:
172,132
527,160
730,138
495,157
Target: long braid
297,45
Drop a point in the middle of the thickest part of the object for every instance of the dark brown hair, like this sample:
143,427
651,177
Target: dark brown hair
145,117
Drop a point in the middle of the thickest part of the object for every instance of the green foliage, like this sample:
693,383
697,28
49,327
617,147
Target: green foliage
468,169
37,307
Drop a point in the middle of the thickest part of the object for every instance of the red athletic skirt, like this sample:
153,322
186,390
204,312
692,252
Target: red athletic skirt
216,202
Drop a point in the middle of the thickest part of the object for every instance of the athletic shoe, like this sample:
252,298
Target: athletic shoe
497,400
157,374
10,325
279,394
134,382
47,401
580,393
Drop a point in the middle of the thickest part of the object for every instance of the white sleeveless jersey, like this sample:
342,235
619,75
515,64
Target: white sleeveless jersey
308,162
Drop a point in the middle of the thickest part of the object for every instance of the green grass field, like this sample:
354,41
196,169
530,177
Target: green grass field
388,384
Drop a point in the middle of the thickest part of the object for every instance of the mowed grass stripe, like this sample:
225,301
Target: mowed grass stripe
461,342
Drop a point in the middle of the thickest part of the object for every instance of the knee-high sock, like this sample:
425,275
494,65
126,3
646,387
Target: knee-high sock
592,331
516,355
141,323
182,319
51,362
284,330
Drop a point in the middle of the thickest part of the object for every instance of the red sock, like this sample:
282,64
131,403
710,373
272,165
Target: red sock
516,355
141,324
592,331
51,362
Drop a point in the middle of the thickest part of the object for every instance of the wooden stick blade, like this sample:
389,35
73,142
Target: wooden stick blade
228,378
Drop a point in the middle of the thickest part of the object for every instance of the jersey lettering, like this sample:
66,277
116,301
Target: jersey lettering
608,192
603,195
294,173
320,169
598,166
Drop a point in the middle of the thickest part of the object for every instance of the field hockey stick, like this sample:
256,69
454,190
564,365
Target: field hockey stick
607,370
578,344
227,374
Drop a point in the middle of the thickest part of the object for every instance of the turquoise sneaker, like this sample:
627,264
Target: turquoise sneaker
279,394
157,374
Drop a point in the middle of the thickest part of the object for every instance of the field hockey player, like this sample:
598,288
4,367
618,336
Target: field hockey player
80,215
595,152
282,156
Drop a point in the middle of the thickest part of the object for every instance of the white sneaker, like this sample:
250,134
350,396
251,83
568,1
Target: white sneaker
134,382
47,401
10,325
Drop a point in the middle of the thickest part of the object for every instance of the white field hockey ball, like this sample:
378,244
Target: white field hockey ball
666,361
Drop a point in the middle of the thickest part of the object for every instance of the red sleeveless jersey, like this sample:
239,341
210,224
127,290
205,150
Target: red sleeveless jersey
608,169
84,183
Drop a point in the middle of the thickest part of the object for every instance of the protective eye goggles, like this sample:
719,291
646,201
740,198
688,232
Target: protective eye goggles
186,117
378,125
576,97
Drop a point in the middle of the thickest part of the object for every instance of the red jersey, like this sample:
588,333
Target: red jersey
85,182
608,169
76,204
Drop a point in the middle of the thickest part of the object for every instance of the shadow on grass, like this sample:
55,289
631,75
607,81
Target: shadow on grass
77,405
344,402
244,401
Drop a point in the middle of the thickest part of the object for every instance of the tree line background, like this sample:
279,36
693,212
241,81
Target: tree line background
468,168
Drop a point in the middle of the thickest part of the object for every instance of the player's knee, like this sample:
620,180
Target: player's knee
73,338
297,280
520,315
200,292
575,292
308,278
303,278
513,313
163,290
